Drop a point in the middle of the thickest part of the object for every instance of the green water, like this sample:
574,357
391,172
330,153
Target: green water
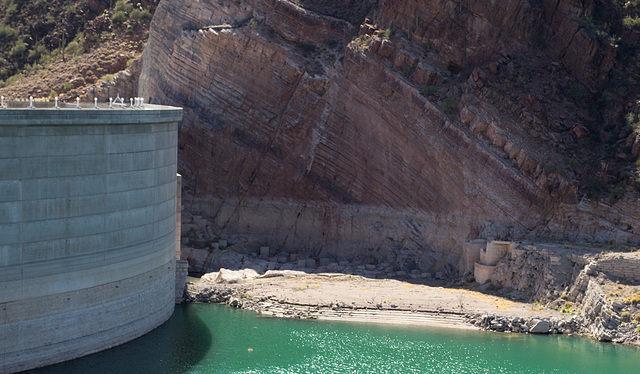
205,338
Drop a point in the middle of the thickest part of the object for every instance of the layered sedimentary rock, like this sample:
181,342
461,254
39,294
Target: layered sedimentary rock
296,139
468,32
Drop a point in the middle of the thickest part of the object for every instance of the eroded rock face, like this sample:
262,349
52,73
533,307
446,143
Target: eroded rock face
468,32
295,139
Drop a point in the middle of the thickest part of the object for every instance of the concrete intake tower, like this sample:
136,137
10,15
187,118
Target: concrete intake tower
87,228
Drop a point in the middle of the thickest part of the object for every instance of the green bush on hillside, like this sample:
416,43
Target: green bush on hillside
123,6
118,18
18,51
450,104
8,35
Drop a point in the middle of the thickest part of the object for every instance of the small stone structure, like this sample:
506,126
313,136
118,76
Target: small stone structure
471,255
482,256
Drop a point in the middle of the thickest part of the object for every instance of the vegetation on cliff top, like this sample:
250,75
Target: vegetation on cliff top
36,34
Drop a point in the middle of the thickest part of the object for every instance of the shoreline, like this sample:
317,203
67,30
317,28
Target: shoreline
388,317
354,298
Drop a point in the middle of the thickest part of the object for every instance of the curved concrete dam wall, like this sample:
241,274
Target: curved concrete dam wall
87,229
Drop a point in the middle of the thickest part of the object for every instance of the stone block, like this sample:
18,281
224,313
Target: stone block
311,263
282,259
302,263
482,273
540,327
287,266
264,252
200,222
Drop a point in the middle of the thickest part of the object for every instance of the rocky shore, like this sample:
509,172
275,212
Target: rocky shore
285,294
578,300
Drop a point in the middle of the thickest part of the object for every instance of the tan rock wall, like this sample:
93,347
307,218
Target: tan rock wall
622,265
270,134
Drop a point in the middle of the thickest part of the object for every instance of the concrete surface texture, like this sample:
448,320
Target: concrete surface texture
88,229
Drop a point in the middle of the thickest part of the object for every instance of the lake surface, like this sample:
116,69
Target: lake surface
210,338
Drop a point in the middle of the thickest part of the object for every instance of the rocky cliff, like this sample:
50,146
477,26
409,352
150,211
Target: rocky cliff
374,128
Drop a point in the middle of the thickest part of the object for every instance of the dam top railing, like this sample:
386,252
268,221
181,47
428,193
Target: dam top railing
117,103
120,111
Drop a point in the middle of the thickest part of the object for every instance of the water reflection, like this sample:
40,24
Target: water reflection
177,346
211,339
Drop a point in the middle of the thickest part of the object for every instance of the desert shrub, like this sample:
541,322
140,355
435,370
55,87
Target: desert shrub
7,35
37,53
118,18
388,32
632,4
427,47
123,6
616,193
70,10
19,50
11,80
107,77
631,22
406,71
633,299
362,42
145,14
633,121
568,307
11,8
625,316
136,15
427,90
450,103
67,87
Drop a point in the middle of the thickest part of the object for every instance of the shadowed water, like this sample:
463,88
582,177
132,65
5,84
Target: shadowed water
205,338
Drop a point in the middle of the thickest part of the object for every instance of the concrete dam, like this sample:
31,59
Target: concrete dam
87,228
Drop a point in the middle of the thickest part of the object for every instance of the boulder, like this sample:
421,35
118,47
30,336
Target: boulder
540,327
257,264
231,276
